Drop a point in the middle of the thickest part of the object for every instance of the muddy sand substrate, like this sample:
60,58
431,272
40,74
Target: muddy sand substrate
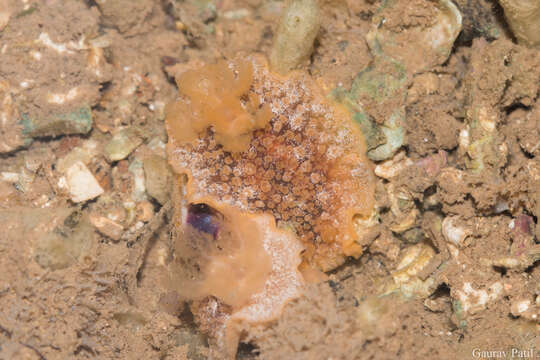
449,268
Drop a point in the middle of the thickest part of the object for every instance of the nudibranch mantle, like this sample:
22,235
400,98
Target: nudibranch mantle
294,155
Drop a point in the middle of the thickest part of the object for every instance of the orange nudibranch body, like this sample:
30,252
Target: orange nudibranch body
271,144
212,96
284,172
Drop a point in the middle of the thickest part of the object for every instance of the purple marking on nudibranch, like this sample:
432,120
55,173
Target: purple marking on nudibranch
203,218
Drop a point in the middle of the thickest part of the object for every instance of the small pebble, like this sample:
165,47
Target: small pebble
81,183
121,145
107,227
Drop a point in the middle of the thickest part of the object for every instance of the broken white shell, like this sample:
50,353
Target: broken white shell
454,233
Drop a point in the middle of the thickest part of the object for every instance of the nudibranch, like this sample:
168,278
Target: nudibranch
271,177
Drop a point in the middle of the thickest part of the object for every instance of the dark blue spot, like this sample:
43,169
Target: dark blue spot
203,218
